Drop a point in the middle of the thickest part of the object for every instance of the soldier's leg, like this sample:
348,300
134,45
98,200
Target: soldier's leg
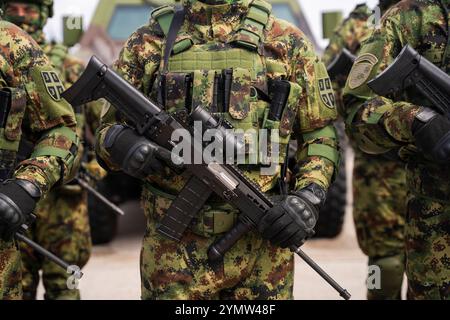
66,234
10,273
379,188
428,249
31,264
177,271
271,277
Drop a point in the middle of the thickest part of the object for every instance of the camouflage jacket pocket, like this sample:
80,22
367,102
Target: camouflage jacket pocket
241,94
291,110
177,91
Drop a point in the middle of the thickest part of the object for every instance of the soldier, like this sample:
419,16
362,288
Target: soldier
32,108
216,37
379,182
406,125
63,227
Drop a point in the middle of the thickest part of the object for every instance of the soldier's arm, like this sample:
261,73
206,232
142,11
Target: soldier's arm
378,124
317,155
138,62
48,119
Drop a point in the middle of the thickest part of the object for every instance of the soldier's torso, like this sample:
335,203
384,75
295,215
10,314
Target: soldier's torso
220,46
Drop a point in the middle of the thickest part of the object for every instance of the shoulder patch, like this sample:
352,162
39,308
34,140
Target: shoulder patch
53,84
361,70
326,92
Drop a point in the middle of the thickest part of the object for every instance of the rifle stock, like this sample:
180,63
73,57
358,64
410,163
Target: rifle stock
409,70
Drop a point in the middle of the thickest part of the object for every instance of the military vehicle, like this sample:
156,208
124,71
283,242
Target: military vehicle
112,23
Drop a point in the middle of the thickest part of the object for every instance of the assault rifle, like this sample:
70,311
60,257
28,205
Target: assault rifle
227,181
410,70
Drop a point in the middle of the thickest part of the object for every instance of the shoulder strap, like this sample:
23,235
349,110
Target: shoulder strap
175,26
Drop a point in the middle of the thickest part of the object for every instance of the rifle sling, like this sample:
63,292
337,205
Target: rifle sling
175,26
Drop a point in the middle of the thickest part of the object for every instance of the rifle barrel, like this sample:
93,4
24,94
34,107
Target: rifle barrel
47,254
101,197
343,292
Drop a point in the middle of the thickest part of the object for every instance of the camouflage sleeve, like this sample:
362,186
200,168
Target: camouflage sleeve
317,154
47,120
375,123
350,34
138,62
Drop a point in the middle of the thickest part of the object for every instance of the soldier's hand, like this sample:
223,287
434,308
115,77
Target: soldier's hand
136,155
432,134
18,199
291,221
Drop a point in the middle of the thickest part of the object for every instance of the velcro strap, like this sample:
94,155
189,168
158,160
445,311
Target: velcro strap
182,45
322,150
163,15
326,132
67,155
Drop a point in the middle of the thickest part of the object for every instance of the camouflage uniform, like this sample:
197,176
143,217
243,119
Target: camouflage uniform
379,125
63,224
253,268
48,122
379,184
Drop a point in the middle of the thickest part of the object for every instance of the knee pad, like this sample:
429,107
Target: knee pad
391,277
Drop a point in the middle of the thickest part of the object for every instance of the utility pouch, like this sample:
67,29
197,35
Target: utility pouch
240,94
177,91
203,89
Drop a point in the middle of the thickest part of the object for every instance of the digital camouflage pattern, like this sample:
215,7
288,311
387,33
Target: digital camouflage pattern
63,224
62,228
386,125
21,63
379,184
180,271
259,270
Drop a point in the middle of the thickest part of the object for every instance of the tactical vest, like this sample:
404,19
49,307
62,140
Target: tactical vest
230,80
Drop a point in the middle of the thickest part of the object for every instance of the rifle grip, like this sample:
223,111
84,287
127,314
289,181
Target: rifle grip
218,249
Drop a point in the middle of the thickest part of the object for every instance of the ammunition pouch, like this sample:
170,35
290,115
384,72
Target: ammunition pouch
217,217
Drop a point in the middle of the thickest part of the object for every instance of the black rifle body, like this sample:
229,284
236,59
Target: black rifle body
409,70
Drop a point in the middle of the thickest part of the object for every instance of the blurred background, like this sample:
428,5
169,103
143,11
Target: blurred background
100,27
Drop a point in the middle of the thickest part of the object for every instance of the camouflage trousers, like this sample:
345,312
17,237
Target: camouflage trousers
428,232
62,227
252,269
10,273
379,189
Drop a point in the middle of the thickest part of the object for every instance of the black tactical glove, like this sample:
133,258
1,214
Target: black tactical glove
432,134
136,155
291,221
18,199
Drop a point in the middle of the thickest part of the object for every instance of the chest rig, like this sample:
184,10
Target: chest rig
230,79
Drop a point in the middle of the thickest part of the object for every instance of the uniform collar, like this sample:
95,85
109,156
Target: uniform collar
230,12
